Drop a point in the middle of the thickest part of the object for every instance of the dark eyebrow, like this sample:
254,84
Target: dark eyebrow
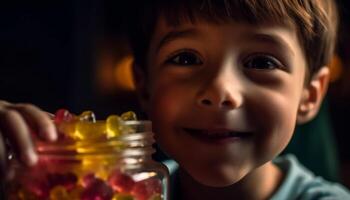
173,35
271,39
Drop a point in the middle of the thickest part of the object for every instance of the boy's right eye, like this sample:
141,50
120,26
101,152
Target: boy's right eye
185,59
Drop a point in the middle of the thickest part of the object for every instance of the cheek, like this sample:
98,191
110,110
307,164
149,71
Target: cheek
276,123
166,103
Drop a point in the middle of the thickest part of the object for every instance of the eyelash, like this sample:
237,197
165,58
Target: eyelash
192,59
272,62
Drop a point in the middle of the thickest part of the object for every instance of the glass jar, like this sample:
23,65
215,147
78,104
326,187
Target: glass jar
120,168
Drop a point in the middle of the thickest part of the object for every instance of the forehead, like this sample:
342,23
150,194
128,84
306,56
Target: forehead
283,35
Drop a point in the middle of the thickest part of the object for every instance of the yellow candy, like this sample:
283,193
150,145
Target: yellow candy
88,116
128,116
88,130
113,124
156,197
59,193
121,196
75,193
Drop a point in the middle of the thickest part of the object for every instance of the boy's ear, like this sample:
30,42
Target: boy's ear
140,80
312,96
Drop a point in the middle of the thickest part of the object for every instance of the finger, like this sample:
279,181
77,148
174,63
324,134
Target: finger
14,128
4,103
51,116
2,156
38,120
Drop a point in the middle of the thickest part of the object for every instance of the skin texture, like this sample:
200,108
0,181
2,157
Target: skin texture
228,77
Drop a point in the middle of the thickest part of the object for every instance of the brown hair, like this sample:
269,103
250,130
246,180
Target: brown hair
316,21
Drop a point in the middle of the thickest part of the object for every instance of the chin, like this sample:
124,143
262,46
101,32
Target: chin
222,178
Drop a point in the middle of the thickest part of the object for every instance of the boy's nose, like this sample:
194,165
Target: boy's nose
220,94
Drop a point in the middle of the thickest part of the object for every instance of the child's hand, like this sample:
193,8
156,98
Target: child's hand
16,123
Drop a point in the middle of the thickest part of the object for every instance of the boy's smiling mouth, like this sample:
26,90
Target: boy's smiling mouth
217,135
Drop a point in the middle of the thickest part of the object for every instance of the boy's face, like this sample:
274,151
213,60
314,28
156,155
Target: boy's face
224,98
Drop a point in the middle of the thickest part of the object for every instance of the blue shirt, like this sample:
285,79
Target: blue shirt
299,183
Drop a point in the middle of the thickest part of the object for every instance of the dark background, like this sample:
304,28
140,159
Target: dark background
51,52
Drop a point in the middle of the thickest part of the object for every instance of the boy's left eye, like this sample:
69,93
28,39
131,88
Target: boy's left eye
185,58
262,62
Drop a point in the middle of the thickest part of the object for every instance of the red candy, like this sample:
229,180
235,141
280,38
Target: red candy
97,190
120,182
88,179
63,115
38,188
143,190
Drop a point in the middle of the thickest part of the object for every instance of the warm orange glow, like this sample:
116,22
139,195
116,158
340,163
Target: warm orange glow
123,74
105,77
336,68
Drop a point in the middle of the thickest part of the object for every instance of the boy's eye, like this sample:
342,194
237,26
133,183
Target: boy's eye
185,58
263,62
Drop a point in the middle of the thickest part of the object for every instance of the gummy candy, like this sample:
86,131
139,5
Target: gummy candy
85,126
122,196
63,115
128,116
113,124
88,179
38,188
25,195
89,131
87,116
91,176
68,180
120,182
145,189
75,193
156,197
59,193
97,189
66,129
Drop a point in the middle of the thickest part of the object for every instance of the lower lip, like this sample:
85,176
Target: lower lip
221,140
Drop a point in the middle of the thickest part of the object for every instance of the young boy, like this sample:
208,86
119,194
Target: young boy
224,83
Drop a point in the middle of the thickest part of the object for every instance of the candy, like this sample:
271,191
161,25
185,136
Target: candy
59,193
85,126
38,188
66,129
25,195
145,189
156,197
120,182
89,131
63,115
67,180
87,116
128,116
122,197
88,179
113,124
97,190
75,193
